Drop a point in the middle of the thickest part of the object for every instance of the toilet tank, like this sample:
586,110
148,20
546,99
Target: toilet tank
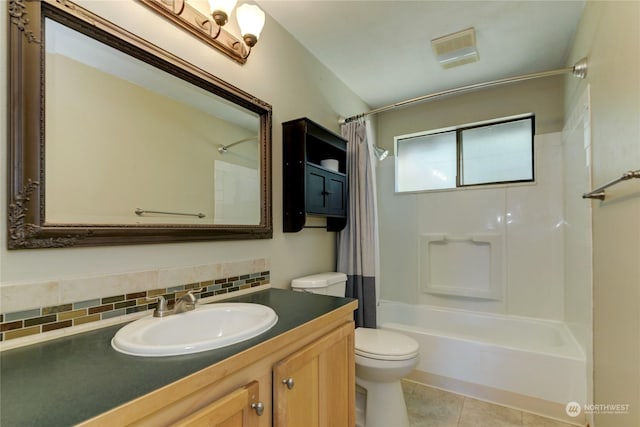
324,283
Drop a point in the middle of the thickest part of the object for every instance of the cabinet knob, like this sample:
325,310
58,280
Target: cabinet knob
259,407
288,382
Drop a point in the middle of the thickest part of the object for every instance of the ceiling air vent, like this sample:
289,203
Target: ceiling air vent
456,49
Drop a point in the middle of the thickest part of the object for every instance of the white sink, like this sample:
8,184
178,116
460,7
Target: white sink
206,328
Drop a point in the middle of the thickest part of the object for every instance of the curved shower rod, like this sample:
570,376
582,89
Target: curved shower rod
223,148
579,70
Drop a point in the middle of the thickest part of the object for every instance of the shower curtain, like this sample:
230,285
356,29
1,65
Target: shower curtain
358,241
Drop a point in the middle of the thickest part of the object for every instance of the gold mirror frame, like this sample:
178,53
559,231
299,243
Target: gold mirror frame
27,228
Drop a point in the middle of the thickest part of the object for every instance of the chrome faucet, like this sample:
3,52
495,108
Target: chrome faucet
186,302
162,308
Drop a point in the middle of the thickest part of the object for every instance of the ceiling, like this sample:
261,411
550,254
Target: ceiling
382,49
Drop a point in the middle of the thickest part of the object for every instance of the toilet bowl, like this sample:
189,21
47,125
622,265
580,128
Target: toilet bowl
382,359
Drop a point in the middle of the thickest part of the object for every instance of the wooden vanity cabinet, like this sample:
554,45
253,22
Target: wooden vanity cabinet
315,386
318,356
241,408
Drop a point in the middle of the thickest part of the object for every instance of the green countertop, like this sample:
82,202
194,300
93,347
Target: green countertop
68,380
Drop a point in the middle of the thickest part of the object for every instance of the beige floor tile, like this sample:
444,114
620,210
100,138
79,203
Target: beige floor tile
430,407
476,413
531,420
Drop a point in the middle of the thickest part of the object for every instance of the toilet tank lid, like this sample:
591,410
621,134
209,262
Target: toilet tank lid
320,280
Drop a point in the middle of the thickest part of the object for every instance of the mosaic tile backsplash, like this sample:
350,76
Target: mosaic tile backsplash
37,320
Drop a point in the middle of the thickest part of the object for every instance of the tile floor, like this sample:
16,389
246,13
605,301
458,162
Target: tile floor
431,407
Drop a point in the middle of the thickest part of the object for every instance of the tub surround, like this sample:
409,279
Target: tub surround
509,228
71,379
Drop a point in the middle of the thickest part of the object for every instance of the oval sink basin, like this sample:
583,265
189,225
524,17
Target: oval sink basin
206,328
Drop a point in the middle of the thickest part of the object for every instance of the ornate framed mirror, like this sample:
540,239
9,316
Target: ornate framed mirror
115,141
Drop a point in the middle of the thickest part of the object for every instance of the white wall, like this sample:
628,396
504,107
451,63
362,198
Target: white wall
578,266
280,72
609,34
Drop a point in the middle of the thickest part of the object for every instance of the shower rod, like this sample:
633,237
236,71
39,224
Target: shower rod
223,148
599,194
578,70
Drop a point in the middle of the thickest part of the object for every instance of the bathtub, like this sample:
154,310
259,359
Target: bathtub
523,356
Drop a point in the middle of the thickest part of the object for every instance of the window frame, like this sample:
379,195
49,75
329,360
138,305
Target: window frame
459,155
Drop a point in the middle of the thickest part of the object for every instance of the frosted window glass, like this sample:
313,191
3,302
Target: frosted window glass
426,162
497,153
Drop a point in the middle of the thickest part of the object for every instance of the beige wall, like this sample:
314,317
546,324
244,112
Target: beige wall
280,72
609,33
541,96
144,163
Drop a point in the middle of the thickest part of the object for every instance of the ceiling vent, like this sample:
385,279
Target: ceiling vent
456,49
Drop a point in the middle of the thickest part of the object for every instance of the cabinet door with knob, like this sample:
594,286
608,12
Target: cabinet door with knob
326,192
240,408
315,386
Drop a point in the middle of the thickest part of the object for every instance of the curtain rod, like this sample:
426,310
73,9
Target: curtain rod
223,148
578,70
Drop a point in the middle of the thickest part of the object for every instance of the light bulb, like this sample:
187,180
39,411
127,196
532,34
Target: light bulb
251,22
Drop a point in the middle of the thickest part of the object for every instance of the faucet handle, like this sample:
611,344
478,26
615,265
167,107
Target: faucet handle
189,296
159,299
186,302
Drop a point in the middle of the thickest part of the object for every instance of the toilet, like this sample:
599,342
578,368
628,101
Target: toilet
382,359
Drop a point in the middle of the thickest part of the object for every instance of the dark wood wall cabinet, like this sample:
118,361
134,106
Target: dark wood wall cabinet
309,187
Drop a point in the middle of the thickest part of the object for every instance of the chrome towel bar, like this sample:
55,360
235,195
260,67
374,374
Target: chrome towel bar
598,193
141,212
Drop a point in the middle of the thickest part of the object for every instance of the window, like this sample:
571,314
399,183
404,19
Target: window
490,153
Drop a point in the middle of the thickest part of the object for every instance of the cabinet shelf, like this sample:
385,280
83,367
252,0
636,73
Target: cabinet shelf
309,187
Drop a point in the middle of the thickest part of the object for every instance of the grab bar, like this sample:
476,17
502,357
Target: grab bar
598,193
140,212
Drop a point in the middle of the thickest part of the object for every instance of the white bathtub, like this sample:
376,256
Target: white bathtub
526,356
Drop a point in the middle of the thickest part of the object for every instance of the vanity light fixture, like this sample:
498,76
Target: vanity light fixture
209,27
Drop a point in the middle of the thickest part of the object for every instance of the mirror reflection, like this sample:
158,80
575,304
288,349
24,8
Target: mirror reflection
127,143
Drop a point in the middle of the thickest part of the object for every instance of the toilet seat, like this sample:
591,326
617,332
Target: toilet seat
384,345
